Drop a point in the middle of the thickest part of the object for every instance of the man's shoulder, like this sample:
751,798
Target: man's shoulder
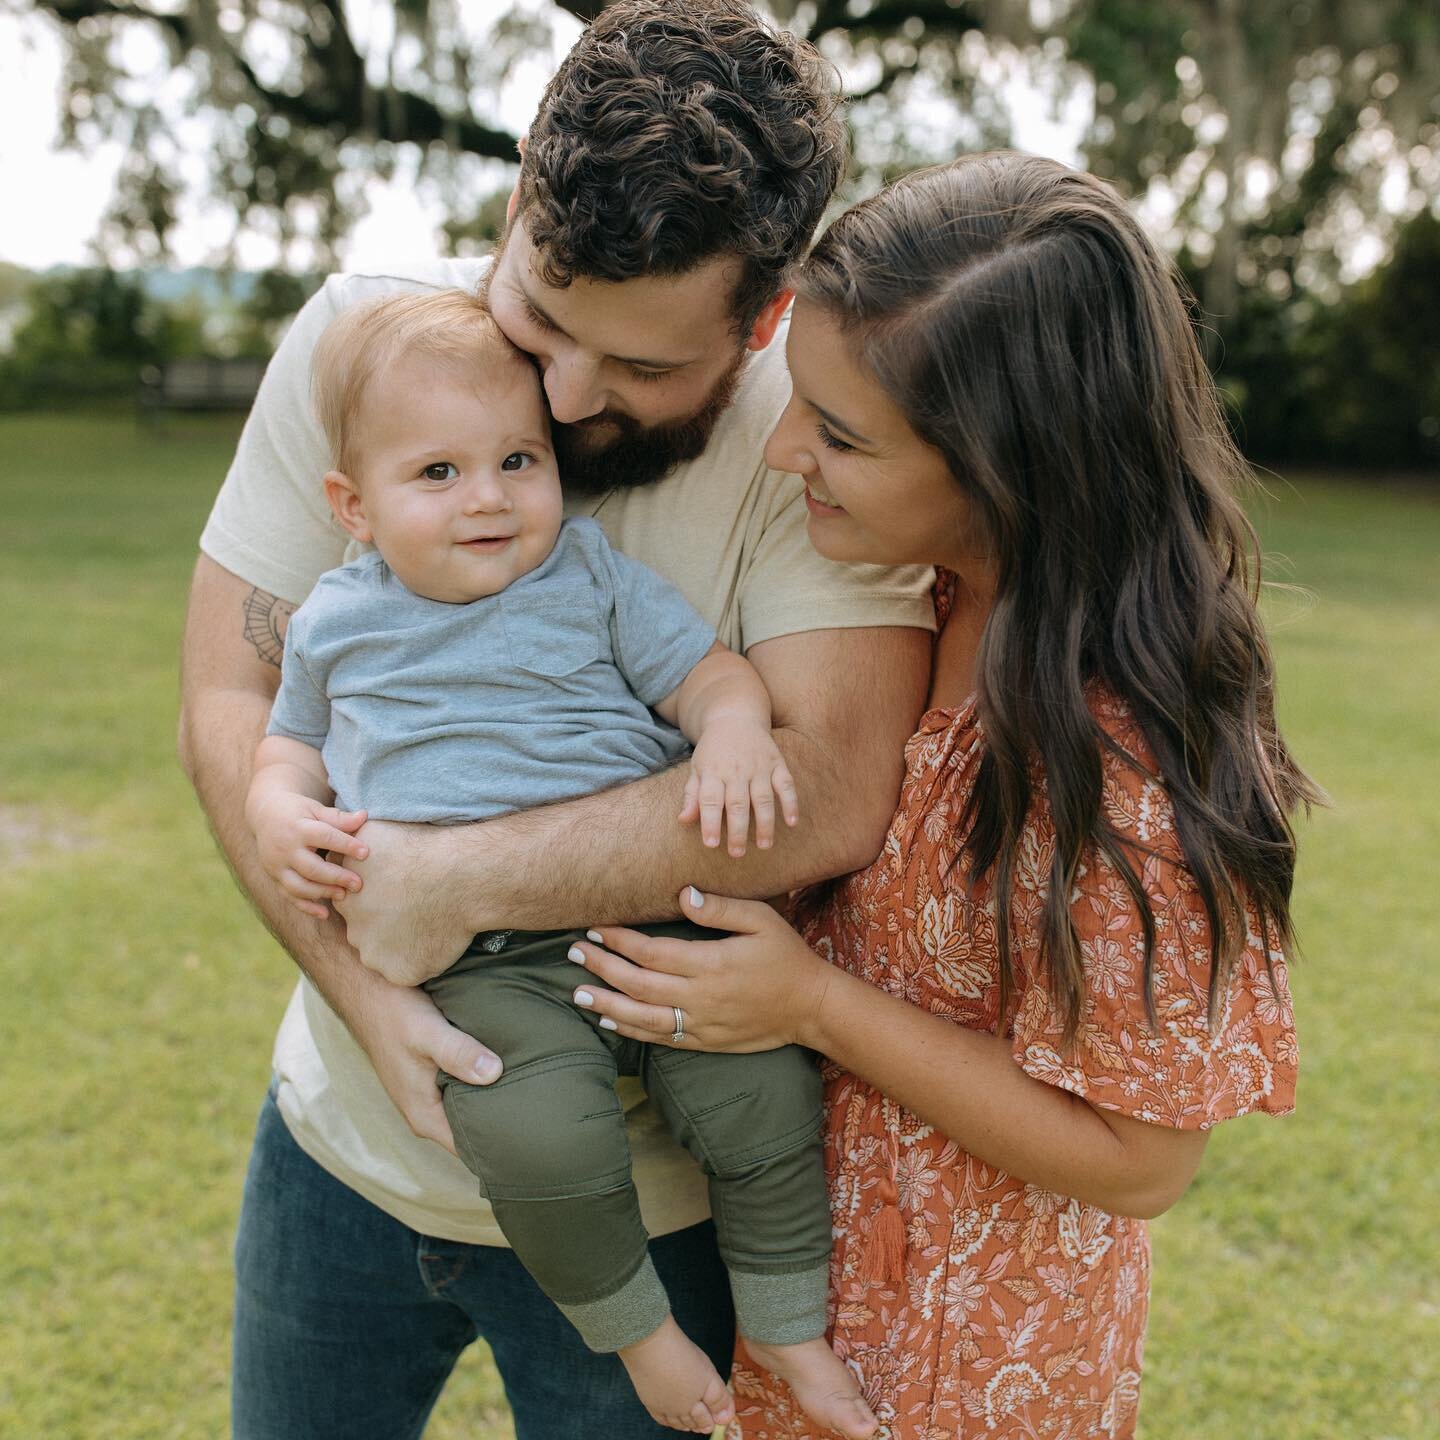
353,287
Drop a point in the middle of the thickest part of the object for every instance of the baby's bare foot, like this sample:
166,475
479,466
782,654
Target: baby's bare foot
675,1381
824,1389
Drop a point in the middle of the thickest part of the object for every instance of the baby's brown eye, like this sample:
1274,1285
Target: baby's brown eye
440,471
516,460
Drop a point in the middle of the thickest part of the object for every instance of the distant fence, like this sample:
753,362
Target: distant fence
200,385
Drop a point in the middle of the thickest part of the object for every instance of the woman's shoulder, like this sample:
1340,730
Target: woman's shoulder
1134,797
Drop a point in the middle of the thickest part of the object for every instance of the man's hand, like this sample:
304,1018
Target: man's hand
405,920
408,1040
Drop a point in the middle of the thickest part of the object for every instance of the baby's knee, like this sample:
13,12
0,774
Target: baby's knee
554,1127
743,1112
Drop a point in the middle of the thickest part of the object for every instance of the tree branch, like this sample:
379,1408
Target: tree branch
585,10
886,17
72,12
345,99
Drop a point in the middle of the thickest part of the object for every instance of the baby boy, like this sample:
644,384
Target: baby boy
488,656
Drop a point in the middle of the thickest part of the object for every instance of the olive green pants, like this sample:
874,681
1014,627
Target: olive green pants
547,1142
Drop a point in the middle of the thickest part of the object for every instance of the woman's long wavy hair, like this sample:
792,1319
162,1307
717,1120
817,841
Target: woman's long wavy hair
1017,314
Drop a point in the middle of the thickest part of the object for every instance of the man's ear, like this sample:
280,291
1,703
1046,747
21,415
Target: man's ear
344,497
767,321
514,199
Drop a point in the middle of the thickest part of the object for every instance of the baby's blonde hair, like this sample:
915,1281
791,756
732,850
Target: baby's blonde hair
451,327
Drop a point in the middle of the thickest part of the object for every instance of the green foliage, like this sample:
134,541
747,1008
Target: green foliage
1272,125
258,321
1293,1291
85,335
1354,381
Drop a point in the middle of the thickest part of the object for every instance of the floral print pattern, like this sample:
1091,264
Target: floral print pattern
1020,1314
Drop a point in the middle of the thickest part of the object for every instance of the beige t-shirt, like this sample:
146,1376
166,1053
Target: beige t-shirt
726,529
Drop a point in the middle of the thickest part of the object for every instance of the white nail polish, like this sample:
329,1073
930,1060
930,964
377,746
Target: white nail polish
576,954
584,997
696,898
594,937
606,1023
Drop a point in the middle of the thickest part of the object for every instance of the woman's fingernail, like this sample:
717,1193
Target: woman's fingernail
584,997
595,937
606,1023
576,954
696,898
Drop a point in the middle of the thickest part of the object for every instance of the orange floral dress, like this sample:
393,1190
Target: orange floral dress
1018,1314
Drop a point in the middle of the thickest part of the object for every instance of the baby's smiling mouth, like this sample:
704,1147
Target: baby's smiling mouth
487,542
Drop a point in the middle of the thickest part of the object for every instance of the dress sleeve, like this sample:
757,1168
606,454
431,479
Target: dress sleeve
1181,1074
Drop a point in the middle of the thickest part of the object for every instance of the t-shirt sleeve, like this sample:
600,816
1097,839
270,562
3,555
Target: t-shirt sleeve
302,708
787,587
657,635
1183,1074
270,523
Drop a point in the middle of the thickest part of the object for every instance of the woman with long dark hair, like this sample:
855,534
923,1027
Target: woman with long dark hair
1068,961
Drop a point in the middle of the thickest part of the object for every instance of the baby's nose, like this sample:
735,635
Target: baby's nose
487,493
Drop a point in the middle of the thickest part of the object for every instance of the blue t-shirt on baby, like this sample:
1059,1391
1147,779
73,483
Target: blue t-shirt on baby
445,713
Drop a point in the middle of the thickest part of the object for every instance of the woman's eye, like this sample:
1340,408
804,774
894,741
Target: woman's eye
517,460
440,471
830,440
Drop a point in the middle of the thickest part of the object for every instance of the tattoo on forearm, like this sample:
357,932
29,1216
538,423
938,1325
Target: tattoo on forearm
265,617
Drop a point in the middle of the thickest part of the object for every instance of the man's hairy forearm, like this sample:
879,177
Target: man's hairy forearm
596,861
218,734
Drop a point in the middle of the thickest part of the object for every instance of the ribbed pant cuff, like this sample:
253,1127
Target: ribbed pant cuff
635,1310
781,1309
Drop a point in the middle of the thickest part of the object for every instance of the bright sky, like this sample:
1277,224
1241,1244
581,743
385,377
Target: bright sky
54,199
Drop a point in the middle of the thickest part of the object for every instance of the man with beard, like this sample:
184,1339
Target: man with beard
681,158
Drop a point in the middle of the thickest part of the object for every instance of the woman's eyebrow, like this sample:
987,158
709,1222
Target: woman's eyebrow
836,423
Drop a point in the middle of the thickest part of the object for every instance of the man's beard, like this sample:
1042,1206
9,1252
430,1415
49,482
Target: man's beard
612,451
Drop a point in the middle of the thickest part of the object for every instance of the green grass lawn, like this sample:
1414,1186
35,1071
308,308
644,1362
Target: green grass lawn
1297,1286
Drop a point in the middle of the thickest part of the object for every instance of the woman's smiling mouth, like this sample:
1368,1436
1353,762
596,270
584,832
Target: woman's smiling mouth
819,502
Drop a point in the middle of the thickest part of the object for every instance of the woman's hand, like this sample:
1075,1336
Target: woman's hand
756,988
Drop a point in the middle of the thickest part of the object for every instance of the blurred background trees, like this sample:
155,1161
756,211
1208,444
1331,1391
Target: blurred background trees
1287,152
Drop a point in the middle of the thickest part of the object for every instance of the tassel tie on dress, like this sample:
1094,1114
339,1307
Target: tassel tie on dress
883,1261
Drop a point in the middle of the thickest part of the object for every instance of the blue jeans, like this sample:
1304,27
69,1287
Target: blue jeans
348,1323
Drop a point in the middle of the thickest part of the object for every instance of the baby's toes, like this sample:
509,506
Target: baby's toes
718,1402
855,1420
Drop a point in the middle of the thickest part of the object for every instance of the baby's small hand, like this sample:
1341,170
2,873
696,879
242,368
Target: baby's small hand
290,829
736,768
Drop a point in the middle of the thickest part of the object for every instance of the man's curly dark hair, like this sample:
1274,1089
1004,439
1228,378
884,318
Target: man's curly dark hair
677,131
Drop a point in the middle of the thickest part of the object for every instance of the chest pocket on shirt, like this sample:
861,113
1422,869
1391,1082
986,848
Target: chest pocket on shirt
556,633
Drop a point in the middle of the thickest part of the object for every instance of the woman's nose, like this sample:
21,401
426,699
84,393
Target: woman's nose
787,449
